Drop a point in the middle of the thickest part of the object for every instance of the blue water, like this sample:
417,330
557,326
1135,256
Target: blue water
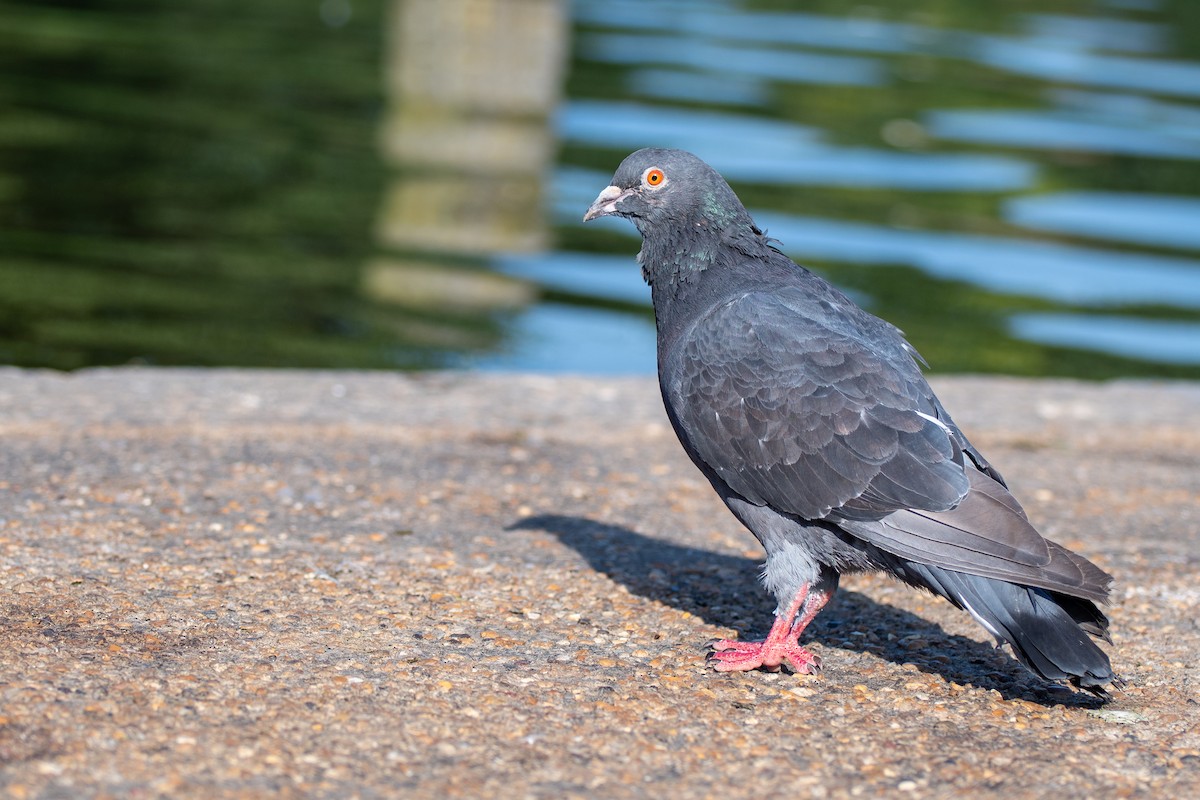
1160,340
1154,220
1063,226
328,185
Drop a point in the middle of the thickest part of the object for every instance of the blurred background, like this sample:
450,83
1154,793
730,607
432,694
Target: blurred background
399,183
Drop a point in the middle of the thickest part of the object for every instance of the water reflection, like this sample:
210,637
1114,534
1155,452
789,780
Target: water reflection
1146,219
1059,38
1052,129
1099,33
768,151
1046,60
1151,113
471,86
554,337
860,145
189,185
1049,270
862,29
703,87
631,125
1158,340
742,60
584,275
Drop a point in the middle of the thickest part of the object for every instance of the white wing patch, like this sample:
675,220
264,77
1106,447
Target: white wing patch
986,625
936,421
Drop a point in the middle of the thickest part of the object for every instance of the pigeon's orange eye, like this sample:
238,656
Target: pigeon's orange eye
654,177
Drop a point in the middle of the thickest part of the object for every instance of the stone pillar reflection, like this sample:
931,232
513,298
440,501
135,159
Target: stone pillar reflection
471,87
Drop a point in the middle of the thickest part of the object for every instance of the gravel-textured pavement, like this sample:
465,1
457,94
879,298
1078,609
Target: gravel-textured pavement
227,583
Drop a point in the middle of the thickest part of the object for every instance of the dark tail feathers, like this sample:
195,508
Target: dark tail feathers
1048,631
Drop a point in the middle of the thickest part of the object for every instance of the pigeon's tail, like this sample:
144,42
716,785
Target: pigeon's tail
1049,632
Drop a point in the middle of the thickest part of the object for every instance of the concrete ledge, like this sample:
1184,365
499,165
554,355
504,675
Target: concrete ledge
251,583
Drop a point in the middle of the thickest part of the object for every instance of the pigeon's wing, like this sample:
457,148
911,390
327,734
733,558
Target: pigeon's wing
986,534
794,409
814,415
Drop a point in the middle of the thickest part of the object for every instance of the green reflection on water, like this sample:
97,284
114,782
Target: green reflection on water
195,184
199,183
958,327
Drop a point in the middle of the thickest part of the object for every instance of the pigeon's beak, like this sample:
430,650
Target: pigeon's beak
606,202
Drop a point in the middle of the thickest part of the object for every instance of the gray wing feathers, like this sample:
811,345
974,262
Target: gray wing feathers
807,419
1048,632
825,422
987,535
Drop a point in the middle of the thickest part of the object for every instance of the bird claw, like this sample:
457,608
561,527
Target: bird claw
728,655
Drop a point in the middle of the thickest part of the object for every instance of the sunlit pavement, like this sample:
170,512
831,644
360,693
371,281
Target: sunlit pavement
246,583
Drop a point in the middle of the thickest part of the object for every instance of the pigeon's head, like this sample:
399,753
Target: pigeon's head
657,188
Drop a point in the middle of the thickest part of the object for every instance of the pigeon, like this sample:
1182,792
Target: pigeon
815,425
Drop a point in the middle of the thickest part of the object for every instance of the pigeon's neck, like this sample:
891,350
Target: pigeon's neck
677,259
673,264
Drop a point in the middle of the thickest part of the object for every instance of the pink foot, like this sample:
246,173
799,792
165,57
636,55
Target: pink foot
782,643
734,656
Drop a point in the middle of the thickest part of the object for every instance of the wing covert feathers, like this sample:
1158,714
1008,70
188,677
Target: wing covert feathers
809,419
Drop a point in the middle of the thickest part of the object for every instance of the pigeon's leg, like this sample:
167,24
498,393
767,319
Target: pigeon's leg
782,643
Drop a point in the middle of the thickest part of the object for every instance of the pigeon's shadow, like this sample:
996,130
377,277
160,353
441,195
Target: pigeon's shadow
724,591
